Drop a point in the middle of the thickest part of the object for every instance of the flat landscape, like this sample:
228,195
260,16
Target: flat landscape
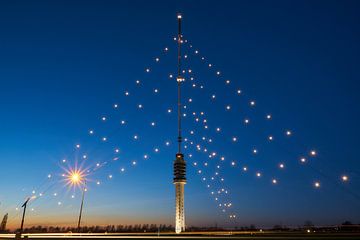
191,235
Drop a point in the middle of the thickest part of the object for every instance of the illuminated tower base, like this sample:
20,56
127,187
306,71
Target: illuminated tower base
180,213
179,182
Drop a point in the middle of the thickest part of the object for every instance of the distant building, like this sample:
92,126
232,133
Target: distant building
3,223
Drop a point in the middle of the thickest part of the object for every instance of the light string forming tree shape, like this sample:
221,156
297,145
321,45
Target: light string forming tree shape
198,117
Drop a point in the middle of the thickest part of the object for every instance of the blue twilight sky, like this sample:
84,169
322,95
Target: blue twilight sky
64,64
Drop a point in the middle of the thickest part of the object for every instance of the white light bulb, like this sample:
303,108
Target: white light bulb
344,178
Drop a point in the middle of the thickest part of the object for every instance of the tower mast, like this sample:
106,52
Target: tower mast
179,163
179,79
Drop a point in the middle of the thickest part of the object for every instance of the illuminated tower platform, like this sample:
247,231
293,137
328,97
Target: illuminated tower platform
179,181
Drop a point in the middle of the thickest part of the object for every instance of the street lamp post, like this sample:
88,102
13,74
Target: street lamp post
81,207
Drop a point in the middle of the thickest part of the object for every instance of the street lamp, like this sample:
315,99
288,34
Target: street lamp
77,178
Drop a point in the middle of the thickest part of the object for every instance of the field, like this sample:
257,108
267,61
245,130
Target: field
192,235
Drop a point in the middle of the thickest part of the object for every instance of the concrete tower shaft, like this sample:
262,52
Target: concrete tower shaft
180,213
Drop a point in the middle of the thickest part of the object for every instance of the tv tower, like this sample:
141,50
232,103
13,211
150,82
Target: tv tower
179,163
